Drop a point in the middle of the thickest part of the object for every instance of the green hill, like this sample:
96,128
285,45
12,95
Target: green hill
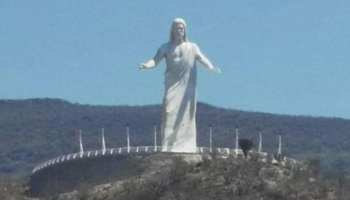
34,130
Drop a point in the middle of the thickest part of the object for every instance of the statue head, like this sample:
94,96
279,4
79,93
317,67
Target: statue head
178,30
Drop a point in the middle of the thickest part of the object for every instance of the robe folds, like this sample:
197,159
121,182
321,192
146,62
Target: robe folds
178,128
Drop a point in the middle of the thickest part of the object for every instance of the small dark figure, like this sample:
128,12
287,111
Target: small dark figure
246,145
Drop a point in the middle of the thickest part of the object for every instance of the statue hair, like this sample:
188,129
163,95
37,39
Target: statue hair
178,21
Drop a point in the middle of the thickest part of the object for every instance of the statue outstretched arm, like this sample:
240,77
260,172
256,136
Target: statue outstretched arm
154,61
205,61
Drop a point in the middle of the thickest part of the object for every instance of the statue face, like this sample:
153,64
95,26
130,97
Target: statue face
179,31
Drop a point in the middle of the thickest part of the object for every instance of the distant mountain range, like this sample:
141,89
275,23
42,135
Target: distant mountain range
34,130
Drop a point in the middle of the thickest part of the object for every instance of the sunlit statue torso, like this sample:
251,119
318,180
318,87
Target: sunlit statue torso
178,129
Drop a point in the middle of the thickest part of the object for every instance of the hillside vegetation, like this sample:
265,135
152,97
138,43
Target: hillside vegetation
34,130
170,177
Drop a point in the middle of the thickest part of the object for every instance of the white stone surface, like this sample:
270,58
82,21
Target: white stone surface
178,128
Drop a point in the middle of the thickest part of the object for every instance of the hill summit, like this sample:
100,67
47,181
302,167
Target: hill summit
35,130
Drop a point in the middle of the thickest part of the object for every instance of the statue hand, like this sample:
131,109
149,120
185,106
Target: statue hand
217,70
142,66
147,65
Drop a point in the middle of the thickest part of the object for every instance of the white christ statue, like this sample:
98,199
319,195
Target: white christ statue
178,128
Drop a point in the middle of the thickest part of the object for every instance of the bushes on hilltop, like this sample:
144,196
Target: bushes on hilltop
218,178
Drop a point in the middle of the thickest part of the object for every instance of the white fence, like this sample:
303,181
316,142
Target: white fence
125,150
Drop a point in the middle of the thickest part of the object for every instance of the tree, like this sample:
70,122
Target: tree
246,145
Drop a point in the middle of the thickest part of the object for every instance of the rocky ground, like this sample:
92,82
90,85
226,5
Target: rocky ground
181,177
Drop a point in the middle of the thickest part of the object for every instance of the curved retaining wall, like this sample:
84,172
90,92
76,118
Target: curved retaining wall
68,172
124,151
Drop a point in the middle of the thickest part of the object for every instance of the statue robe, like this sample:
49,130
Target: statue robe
178,129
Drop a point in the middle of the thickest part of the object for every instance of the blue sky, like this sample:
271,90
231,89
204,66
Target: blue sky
277,56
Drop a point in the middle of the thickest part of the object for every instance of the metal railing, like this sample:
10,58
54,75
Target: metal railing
134,150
